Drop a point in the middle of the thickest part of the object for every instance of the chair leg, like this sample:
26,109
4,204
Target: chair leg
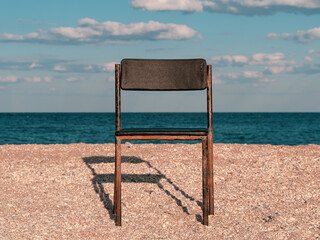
210,169
117,182
205,190
114,183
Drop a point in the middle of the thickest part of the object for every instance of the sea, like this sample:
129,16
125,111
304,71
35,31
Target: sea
243,128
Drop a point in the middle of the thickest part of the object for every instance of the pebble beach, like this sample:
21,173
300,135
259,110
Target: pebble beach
65,191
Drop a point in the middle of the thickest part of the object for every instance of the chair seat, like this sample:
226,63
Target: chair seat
163,131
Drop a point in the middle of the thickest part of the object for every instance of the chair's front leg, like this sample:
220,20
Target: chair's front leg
210,172
205,187
114,179
117,182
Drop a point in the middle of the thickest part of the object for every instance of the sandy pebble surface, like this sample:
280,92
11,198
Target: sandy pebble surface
66,192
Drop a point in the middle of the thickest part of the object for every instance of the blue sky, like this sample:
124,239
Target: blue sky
58,56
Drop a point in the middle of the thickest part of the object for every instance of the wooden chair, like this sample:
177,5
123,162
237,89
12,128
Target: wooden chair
165,75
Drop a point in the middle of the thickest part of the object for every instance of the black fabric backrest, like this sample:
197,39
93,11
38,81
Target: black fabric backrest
153,74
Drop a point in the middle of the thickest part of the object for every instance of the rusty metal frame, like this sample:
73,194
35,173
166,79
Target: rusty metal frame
207,150
210,139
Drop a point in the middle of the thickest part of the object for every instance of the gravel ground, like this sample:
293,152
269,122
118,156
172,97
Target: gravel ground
66,192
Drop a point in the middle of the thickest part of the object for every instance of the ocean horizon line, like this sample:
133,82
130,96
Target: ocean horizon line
169,112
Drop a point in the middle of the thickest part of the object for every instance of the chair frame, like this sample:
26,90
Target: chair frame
207,149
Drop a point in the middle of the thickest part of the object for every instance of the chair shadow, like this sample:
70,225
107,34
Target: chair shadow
99,179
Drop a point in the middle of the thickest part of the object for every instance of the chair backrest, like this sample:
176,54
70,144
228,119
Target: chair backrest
163,74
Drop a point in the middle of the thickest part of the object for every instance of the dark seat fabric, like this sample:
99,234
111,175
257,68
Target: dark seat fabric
163,74
163,131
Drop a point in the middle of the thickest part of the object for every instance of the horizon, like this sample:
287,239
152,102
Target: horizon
152,112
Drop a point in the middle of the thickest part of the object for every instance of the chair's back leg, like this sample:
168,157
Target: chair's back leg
117,182
205,185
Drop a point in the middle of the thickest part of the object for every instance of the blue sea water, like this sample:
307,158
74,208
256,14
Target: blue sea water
249,128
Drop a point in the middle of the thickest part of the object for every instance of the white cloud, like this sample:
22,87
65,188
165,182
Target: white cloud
299,36
270,59
89,67
307,68
314,52
37,79
33,79
278,69
221,78
231,75
230,60
56,65
239,7
89,31
8,79
262,67
254,59
17,79
252,74
307,58
169,5
75,78
34,65
83,34
258,67
262,58
244,77
107,66
59,68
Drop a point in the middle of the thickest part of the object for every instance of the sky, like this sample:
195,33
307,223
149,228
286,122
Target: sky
59,56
